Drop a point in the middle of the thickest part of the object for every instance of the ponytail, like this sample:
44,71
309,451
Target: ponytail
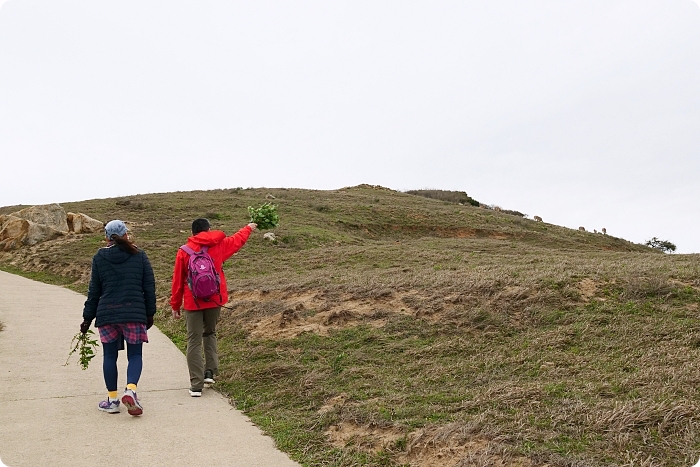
125,244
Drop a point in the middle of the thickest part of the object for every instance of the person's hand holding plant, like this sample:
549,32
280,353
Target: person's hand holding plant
84,344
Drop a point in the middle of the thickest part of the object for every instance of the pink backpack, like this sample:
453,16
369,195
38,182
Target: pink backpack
202,277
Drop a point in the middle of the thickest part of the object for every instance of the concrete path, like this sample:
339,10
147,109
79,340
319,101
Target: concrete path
48,412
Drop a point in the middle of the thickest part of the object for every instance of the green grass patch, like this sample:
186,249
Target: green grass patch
41,276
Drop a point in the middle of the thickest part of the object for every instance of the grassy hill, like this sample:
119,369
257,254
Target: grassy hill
384,328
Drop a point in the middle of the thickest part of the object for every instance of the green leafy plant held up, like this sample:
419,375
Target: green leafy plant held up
265,216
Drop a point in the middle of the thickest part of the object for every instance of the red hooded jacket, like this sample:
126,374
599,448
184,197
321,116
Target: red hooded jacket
221,248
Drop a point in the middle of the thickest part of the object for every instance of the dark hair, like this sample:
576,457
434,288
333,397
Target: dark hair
125,244
200,225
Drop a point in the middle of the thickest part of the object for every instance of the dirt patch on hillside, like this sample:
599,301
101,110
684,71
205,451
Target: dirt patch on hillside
280,314
588,288
288,315
332,403
447,446
367,439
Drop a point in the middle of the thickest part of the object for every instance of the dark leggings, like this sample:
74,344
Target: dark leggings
109,364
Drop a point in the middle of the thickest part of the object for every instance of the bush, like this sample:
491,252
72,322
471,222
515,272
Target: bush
663,245
131,204
457,197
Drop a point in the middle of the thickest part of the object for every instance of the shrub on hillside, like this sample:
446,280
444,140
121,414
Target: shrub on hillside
663,245
131,204
457,197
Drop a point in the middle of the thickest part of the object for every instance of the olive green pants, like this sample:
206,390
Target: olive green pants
201,332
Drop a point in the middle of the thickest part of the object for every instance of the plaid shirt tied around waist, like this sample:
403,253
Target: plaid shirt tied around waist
134,333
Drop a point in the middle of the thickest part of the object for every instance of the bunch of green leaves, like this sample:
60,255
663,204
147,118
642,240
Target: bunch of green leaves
84,344
265,216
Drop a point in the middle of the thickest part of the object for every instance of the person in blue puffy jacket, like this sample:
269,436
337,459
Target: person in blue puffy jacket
122,301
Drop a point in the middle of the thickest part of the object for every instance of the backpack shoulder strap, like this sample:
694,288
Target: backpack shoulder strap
187,250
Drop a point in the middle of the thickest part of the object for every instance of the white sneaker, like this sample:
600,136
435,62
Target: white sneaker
209,377
131,402
109,406
195,392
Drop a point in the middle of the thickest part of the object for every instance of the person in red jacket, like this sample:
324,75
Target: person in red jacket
202,315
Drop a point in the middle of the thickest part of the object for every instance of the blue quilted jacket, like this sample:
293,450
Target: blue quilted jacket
122,288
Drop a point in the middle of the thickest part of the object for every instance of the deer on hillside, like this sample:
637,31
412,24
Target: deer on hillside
605,232
537,219
582,229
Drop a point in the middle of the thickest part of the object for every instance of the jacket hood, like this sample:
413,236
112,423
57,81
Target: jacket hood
114,254
208,238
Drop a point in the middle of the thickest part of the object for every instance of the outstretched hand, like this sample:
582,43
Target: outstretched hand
84,326
253,226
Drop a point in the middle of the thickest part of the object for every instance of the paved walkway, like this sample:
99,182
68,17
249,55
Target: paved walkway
48,412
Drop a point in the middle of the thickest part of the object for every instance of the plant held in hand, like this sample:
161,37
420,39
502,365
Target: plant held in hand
84,345
265,216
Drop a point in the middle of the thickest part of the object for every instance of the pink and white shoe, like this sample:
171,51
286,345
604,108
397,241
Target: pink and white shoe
131,402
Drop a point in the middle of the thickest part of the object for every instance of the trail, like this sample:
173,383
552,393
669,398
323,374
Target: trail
48,412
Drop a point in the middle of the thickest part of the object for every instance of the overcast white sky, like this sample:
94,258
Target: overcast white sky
584,113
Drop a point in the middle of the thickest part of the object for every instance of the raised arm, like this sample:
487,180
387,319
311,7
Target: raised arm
235,242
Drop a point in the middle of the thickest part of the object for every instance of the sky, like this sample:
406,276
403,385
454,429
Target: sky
583,113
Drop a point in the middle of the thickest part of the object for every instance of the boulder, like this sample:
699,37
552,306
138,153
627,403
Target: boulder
38,224
40,233
50,215
12,229
82,223
16,232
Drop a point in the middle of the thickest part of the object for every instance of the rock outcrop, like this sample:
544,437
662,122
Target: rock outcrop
38,224
82,223
51,215
17,232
